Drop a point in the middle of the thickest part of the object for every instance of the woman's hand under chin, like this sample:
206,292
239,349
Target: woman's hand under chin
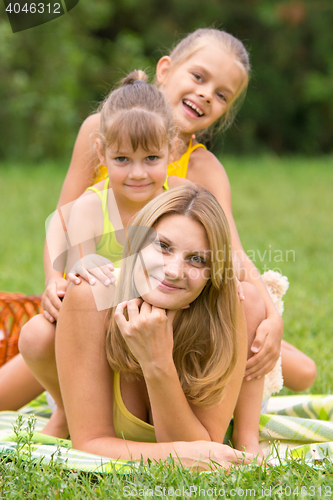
148,332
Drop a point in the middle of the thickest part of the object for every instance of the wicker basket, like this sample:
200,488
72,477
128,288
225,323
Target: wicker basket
15,310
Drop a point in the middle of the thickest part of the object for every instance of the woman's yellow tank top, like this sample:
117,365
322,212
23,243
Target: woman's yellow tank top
177,168
126,425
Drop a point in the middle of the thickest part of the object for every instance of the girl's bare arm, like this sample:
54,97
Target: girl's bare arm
79,176
83,162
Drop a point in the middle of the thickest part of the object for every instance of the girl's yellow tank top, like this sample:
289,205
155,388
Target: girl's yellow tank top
108,246
177,168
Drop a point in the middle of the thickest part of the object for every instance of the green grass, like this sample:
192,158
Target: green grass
24,478
29,195
281,207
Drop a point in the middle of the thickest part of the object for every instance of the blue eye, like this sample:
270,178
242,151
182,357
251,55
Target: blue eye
161,245
121,159
221,96
197,77
152,158
197,260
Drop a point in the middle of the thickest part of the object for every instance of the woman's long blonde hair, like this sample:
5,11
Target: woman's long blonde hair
205,335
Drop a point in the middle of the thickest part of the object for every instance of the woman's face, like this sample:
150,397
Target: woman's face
177,263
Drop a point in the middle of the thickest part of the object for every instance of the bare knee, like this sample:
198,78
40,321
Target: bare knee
305,375
254,309
37,338
299,371
80,295
309,373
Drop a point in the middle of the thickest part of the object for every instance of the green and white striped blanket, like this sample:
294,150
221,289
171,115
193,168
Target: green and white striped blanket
301,424
46,448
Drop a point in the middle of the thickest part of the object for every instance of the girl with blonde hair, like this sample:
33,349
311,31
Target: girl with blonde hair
135,142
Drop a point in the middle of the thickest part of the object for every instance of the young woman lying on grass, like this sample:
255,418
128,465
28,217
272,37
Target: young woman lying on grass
179,346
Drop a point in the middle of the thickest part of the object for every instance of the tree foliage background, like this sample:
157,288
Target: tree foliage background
52,76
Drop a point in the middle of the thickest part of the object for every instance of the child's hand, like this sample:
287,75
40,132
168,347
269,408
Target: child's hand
90,267
51,302
266,346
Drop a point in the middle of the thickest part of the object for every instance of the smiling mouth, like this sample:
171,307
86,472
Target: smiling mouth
138,186
193,108
167,286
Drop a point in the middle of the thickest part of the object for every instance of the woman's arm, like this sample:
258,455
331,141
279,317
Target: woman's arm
79,176
149,335
86,385
204,168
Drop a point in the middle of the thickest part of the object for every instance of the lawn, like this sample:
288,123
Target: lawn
282,209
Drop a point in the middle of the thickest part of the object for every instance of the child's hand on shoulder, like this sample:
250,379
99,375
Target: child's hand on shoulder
90,268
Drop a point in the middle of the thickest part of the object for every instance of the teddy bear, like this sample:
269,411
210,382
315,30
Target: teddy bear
277,285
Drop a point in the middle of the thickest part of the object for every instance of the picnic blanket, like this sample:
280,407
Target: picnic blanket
20,430
299,425
303,425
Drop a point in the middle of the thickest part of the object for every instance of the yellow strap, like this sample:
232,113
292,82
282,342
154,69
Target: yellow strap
103,194
100,174
179,167
196,146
